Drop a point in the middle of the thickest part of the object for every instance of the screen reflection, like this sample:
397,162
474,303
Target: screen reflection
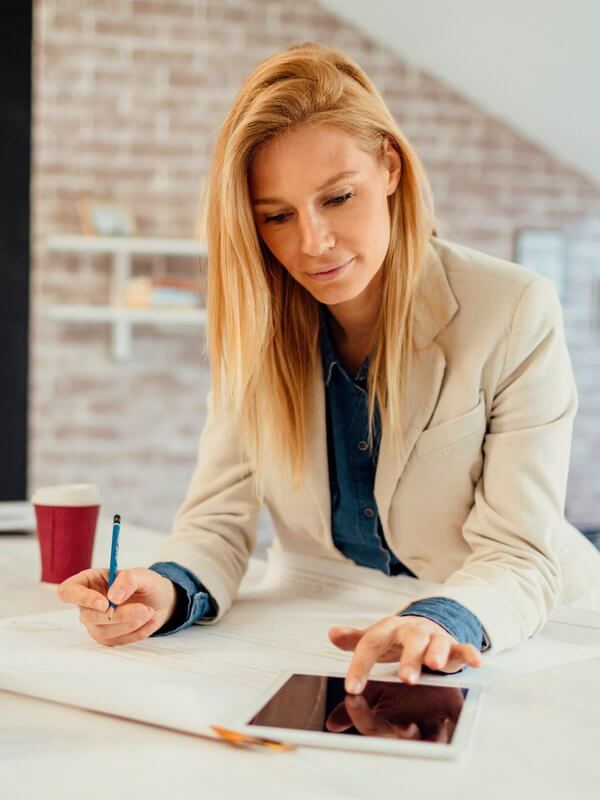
384,709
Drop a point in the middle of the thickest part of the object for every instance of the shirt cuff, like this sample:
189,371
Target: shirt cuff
457,620
194,602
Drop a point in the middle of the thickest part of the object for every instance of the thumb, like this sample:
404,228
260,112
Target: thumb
127,582
345,638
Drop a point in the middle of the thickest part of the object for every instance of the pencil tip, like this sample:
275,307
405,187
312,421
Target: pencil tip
116,518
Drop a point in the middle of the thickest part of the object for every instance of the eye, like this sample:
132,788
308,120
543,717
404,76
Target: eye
277,219
339,201
335,201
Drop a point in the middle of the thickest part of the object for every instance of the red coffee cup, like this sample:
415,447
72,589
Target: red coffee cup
66,519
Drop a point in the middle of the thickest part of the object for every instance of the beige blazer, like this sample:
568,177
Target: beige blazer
476,499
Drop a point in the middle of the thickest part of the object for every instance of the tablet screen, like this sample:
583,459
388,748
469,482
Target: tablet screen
384,709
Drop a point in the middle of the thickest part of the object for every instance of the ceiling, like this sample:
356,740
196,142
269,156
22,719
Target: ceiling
534,64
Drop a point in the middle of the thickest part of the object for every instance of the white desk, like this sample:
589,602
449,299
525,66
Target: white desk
538,735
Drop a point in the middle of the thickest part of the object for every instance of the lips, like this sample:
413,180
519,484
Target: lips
329,269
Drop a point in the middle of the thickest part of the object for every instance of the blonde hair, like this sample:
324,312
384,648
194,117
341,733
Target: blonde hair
262,325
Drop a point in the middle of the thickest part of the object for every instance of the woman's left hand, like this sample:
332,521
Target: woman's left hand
412,640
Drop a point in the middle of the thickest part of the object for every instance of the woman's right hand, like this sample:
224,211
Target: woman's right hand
148,600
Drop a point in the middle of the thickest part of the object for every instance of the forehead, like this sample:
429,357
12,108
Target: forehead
306,157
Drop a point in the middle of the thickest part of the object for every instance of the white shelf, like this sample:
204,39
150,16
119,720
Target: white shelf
132,245
122,250
140,316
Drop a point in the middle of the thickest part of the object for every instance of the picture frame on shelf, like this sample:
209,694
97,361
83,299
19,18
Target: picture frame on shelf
106,217
545,251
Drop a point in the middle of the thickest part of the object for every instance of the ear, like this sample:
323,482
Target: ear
393,164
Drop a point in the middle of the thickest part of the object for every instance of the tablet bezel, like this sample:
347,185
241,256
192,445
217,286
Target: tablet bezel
457,748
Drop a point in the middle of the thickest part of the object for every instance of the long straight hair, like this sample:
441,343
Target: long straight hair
262,325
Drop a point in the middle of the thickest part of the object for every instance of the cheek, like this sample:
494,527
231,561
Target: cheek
278,245
368,226
286,251
286,247
378,222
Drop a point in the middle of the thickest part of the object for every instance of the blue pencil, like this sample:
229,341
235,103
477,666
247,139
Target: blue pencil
114,552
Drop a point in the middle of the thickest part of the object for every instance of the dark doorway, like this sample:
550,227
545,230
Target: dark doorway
15,124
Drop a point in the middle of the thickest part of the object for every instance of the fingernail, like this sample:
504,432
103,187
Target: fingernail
99,604
410,676
150,611
117,595
354,686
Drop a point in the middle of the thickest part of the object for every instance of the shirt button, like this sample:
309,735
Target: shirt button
362,445
368,512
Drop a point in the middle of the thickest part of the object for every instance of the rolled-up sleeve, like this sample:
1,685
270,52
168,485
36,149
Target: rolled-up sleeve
193,600
457,620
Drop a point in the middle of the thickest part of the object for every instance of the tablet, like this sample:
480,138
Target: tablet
428,719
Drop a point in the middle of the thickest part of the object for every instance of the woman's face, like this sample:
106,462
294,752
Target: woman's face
312,218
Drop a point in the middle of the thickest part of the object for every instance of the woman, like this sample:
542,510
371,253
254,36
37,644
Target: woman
396,399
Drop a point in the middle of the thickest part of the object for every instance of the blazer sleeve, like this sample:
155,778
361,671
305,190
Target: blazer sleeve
511,580
214,530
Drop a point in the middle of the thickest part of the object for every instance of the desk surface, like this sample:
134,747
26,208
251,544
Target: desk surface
538,735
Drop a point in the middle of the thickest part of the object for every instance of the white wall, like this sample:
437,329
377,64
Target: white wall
535,64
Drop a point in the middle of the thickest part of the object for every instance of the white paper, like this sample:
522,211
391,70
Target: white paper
204,674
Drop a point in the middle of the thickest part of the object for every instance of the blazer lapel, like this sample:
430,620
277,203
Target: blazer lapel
435,306
426,379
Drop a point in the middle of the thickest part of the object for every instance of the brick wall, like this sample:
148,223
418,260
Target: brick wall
127,97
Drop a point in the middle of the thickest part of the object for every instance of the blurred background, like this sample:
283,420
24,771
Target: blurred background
109,111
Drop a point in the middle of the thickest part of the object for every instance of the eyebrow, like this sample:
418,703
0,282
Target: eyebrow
338,176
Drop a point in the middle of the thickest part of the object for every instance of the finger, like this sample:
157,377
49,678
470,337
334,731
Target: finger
409,731
438,651
106,634
76,590
123,586
445,731
135,636
345,638
338,721
129,581
369,723
414,644
119,630
374,643
461,654
470,653
363,718
127,613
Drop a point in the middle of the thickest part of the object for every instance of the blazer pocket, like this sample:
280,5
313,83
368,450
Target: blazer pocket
454,430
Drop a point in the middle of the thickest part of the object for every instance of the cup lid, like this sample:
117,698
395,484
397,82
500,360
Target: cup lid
67,494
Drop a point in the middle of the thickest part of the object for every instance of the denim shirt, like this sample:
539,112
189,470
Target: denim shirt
356,527
355,524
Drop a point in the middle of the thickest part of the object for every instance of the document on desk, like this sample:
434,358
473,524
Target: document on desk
204,674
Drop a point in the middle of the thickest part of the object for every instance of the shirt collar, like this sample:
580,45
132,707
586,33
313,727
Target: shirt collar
329,354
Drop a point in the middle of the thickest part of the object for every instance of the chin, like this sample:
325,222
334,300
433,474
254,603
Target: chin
340,294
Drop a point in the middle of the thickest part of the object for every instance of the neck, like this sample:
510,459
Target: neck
353,321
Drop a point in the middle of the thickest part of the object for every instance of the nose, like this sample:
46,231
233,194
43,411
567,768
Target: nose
315,236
